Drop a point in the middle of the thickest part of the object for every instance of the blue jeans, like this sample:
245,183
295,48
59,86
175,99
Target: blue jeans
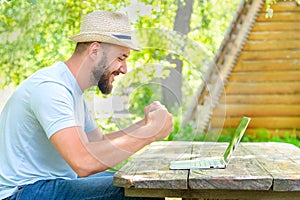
98,186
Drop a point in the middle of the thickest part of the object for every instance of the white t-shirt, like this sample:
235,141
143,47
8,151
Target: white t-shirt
48,101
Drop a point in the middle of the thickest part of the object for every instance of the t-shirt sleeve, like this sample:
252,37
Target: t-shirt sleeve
53,107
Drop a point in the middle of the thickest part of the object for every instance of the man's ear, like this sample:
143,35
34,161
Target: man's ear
94,50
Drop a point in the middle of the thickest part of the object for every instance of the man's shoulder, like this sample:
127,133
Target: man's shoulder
56,74
53,71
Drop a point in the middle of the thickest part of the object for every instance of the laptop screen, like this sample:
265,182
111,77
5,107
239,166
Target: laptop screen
238,134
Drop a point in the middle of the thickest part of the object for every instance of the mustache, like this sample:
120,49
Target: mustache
115,73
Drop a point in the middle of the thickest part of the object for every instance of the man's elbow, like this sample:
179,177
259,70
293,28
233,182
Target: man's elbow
83,173
84,168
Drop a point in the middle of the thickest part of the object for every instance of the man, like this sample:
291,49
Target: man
50,147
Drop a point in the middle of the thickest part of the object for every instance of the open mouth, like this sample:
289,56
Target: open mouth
114,74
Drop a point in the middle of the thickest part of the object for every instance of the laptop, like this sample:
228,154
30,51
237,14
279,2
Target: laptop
215,163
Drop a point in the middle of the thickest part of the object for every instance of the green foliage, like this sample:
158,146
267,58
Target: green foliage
141,98
34,34
260,135
263,135
210,20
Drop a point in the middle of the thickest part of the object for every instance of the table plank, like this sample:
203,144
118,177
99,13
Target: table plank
242,173
214,194
282,161
151,169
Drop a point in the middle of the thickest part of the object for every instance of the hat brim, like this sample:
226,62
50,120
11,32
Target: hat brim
98,37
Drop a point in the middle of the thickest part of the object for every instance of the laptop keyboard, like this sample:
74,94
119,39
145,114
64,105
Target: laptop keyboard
200,164
209,163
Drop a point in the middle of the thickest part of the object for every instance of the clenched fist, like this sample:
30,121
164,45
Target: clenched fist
158,120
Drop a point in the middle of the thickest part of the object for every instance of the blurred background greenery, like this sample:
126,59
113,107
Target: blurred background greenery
178,39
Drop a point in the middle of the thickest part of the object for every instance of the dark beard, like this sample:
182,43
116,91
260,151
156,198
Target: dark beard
103,74
103,84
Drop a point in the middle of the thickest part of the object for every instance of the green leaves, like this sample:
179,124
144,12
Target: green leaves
34,34
32,1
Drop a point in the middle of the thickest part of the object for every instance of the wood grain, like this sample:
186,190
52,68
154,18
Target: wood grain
263,88
282,6
270,99
269,55
150,169
269,45
262,122
256,171
243,173
273,35
265,76
281,161
276,26
213,194
267,65
257,110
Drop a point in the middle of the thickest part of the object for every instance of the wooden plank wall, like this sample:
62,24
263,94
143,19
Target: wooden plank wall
265,81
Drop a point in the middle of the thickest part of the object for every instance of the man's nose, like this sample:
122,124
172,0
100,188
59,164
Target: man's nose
123,67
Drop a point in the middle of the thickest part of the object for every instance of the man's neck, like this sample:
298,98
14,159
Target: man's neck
78,67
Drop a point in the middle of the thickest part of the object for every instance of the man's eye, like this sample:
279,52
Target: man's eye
121,59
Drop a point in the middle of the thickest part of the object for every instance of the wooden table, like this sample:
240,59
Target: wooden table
256,171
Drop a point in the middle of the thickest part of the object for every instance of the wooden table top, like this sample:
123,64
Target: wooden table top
261,167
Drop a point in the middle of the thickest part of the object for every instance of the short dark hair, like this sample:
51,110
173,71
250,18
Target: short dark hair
81,47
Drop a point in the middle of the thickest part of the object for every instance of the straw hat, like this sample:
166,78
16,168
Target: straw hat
107,27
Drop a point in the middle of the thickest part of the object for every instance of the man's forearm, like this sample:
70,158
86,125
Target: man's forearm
120,145
127,130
